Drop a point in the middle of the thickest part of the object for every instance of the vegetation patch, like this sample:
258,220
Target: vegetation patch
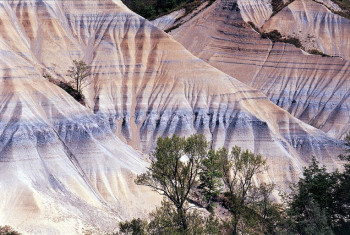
278,5
79,73
317,52
254,27
7,230
67,87
276,36
192,176
189,8
152,9
345,6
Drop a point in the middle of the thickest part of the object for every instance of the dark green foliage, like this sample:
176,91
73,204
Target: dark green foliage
134,227
167,5
276,36
167,220
145,8
254,27
177,166
278,5
7,230
270,214
67,87
342,193
151,9
213,225
321,200
317,52
174,171
79,73
318,203
78,96
314,220
210,178
345,6
317,187
189,6
238,169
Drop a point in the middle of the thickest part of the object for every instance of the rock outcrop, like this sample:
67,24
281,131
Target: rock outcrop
64,166
169,20
257,12
317,27
313,88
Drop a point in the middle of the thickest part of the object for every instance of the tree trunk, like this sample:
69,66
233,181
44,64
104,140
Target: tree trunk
77,83
183,219
235,224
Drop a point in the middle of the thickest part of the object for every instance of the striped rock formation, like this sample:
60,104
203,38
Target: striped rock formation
313,88
315,25
64,167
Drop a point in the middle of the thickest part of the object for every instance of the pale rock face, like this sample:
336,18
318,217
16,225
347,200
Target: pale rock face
167,21
330,4
312,88
179,17
255,11
316,27
63,166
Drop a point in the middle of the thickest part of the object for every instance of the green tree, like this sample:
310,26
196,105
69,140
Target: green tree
79,72
210,178
166,220
314,220
133,227
238,168
270,214
342,192
314,193
174,172
213,225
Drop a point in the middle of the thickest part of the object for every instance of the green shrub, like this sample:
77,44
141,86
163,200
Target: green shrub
134,227
276,36
78,96
317,52
152,9
345,6
7,230
67,87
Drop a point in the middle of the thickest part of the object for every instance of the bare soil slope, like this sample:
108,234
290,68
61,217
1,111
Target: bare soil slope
313,88
64,166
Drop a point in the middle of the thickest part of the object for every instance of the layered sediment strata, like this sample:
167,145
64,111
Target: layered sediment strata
316,26
313,88
63,166
255,11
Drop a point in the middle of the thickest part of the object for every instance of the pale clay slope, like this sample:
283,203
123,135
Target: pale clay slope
255,11
63,166
169,20
316,27
312,88
329,4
